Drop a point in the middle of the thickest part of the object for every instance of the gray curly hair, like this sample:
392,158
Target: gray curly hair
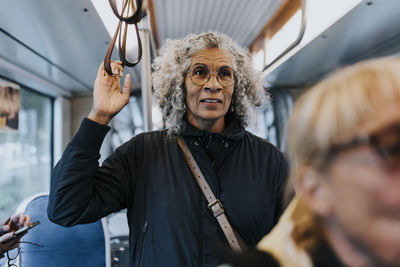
173,61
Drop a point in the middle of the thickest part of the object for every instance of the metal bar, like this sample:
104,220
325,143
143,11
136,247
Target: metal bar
46,59
146,79
49,88
153,24
299,36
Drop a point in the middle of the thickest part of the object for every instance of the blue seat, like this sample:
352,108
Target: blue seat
80,245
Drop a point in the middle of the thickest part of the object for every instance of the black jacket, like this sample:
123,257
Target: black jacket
169,222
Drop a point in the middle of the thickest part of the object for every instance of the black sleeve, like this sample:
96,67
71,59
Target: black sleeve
282,178
83,192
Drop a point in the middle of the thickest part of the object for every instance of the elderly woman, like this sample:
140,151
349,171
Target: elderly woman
344,141
206,88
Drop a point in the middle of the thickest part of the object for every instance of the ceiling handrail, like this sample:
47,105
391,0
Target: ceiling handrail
136,17
298,39
140,12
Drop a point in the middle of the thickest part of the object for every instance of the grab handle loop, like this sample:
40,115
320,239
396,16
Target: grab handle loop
139,13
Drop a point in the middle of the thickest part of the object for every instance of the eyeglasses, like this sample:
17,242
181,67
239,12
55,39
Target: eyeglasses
12,256
200,75
386,144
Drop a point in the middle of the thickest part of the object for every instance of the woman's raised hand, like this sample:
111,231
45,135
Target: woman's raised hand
107,97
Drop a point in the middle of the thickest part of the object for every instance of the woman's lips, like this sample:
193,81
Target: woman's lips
211,100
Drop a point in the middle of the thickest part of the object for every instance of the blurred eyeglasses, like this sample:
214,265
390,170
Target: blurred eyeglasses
385,143
200,75
13,254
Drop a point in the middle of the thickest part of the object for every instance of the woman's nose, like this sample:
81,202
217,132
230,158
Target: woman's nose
213,84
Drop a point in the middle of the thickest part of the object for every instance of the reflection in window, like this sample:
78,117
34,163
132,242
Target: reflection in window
320,14
25,155
271,118
127,123
282,39
263,124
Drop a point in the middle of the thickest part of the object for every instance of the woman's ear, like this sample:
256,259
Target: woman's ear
314,191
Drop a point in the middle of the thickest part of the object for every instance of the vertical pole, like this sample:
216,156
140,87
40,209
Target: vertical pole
62,119
146,78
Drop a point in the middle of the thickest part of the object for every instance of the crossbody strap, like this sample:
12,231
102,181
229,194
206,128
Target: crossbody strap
214,204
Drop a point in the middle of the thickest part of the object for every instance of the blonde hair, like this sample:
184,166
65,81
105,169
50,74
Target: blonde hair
333,111
173,61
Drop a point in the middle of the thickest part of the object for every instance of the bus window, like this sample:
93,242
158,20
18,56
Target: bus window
25,153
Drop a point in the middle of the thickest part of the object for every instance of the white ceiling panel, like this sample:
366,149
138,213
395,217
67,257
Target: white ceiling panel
242,20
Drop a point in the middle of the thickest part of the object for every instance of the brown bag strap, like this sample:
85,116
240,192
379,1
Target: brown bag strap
214,204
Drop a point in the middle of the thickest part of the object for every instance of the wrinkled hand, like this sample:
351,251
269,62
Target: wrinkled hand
7,230
107,97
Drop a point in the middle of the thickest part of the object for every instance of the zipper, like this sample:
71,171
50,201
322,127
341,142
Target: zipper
145,226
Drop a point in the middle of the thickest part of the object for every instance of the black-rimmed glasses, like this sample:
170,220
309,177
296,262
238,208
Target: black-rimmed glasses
200,75
385,143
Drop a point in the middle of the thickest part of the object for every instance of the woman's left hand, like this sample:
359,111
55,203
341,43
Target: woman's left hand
13,223
18,221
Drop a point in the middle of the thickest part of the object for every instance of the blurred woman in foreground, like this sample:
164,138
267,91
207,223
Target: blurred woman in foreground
344,145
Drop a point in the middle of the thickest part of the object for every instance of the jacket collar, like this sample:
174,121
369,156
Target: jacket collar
233,131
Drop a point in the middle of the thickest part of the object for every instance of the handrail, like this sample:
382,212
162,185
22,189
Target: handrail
299,36
139,13
136,17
